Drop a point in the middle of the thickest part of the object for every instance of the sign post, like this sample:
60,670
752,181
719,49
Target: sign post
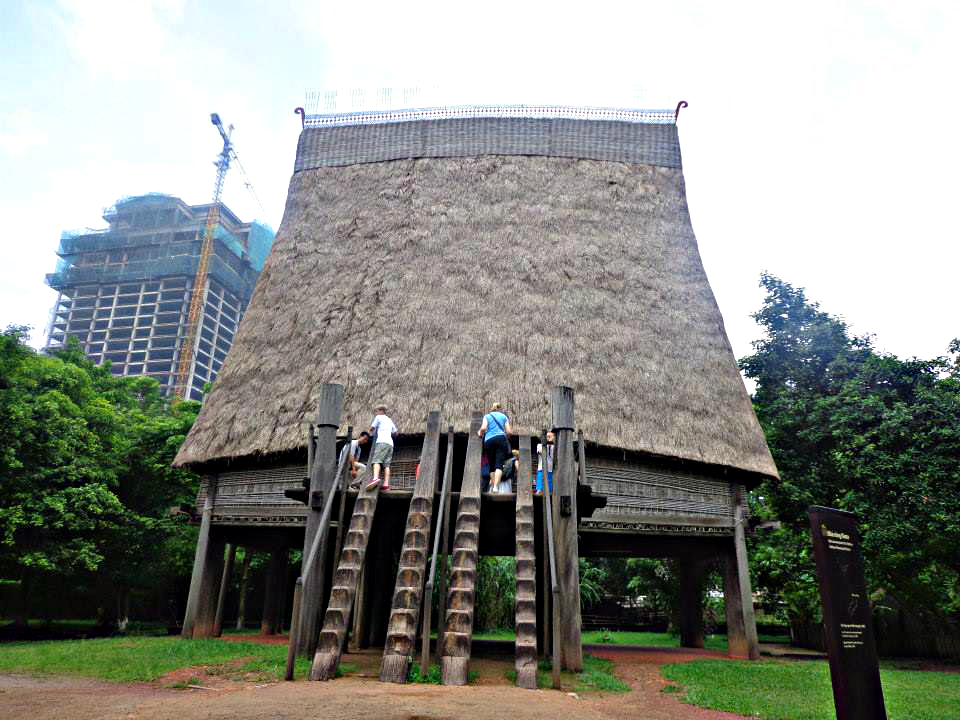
854,672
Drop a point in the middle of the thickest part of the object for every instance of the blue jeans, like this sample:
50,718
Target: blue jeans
540,481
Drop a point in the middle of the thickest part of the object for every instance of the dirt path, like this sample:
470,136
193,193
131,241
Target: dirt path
359,698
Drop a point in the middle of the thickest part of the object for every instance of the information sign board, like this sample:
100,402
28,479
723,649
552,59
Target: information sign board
854,671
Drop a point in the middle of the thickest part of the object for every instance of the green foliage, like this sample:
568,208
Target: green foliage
862,431
593,578
656,582
86,484
802,691
433,676
496,593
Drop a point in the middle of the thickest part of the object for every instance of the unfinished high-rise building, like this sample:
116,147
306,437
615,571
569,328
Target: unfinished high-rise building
125,291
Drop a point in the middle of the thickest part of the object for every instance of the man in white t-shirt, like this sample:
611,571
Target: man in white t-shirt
351,453
382,429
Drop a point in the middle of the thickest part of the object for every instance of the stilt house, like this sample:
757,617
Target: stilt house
438,260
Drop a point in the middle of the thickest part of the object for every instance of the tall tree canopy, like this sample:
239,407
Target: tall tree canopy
862,431
86,485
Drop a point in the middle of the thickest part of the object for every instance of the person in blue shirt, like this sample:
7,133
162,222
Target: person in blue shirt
496,431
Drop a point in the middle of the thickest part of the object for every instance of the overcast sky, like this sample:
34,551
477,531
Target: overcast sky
820,142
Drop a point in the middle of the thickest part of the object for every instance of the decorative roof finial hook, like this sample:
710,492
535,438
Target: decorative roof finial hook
676,113
303,116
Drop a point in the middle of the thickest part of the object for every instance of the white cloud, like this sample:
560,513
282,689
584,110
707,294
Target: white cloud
119,38
18,134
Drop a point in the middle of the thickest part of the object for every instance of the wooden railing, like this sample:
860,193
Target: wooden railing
548,520
307,567
442,520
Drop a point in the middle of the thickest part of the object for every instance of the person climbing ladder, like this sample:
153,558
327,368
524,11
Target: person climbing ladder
495,431
382,429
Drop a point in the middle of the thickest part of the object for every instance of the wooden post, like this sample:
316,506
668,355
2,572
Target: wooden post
737,644
555,642
224,585
276,576
739,581
294,631
438,546
329,409
344,484
209,587
201,559
358,629
691,602
244,582
544,596
568,556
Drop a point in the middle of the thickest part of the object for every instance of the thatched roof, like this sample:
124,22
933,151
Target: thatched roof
450,282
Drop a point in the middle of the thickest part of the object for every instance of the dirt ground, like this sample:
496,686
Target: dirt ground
359,696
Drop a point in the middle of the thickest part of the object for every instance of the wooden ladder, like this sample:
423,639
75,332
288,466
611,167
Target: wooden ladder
455,651
337,618
526,626
408,591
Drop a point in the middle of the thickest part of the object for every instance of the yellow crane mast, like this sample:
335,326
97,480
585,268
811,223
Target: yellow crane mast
187,348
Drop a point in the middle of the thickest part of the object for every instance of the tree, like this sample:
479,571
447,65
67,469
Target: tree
861,431
85,476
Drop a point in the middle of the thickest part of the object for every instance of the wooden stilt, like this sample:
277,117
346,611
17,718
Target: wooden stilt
224,585
691,602
358,628
209,589
438,548
740,584
329,409
244,582
342,513
200,560
737,645
276,576
568,556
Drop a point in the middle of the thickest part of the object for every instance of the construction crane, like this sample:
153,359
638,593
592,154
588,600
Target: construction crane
181,387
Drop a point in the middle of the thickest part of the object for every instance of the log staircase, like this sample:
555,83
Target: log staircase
408,591
458,637
526,615
337,618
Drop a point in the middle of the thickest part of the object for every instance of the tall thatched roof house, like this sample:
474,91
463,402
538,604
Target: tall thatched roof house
443,259
444,264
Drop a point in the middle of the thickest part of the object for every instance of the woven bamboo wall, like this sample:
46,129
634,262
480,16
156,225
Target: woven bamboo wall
640,498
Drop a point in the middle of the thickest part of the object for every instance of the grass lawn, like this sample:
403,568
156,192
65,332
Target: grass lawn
609,637
597,675
132,659
776,690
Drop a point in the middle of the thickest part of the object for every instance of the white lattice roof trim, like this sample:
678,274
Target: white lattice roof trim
325,108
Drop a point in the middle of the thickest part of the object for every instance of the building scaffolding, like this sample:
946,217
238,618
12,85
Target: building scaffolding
125,290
